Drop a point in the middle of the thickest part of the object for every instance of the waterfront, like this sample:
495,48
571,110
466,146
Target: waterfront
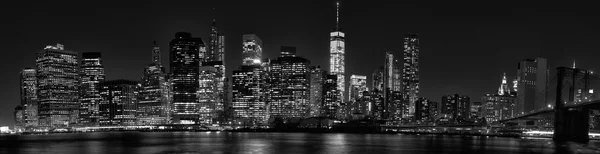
277,143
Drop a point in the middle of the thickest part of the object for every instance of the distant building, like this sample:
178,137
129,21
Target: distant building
476,110
498,106
288,88
58,86
457,107
92,73
252,50
317,79
248,90
358,85
532,77
410,74
19,115
426,110
29,96
187,53
154,104
331,96
118,106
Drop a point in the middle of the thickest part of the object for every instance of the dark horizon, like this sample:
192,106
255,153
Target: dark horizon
464,49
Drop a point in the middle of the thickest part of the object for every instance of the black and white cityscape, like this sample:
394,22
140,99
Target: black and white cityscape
284,99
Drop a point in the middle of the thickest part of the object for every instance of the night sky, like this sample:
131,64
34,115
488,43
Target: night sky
464,47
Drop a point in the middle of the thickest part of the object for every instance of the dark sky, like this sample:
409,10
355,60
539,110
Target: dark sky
465,47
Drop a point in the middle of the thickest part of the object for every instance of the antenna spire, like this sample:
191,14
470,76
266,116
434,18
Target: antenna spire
337,17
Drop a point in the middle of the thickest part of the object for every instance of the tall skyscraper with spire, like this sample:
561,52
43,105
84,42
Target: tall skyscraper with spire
212,79
153,105
337,52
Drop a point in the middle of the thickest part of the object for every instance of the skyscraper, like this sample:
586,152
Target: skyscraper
249,85
153,93
425,110
358,85
118,106
410,75
288,85
331,96
92,73
252,52
248,90
337,51
186,55
213,77
317,76
58,81
457,107
29,96
532,76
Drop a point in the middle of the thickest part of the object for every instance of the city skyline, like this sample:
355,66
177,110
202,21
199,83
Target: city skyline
432,65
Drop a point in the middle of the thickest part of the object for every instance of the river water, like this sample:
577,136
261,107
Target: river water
278,143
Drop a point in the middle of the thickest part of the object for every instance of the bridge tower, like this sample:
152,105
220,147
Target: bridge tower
571,123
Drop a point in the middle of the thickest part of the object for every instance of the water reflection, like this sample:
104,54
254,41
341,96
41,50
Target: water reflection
278,143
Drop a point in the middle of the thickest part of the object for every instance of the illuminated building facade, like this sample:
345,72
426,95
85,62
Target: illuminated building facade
153,102
213,74
288,85
317,77
497,107
29,96
456,107
410,75
185,58
331,96
216,44
425,110
118,106
337,51
252,52
92,73
207,94
358,85
19,118
248,92
532,77
58,82
249,87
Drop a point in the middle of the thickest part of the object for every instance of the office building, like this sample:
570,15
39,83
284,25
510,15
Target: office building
29,96
532,76
289,84
331,96
497,107
92,73
58,82
153,93
358,85
118,106
252,50
317,78
426,110
248,93
410,75
456,107
186,55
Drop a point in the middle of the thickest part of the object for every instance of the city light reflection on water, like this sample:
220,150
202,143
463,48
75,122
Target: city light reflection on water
276,143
